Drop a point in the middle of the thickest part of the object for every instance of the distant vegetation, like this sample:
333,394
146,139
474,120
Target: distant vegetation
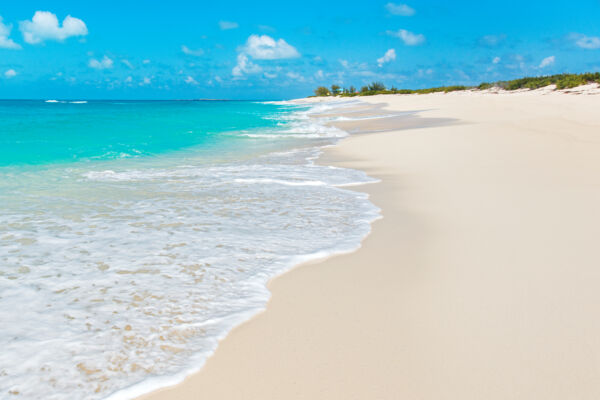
562,81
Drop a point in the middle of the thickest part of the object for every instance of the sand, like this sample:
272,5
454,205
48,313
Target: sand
482,281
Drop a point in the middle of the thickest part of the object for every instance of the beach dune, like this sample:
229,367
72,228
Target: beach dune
480,282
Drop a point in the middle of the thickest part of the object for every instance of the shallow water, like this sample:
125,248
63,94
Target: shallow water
119,274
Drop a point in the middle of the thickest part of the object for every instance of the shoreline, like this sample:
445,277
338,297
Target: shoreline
184,254
156,384
171,383
467,208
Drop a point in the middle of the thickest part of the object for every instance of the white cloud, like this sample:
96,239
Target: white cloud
146,62
129,79
44,26
270,75
264,47
245,66
261,47
105,63
424,72
351,66
225,25
5,41
11,73
319,74
191,52
585,42
496,60
409,38
295,76
126,62
190,81
491,40
146,81
58,75
266,28
400,9
546,62
389,55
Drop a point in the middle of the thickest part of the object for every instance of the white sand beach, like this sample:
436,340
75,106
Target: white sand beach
481,281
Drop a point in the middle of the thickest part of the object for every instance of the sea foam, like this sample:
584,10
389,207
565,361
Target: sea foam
121,278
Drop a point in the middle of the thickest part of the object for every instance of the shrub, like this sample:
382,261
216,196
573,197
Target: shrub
322,91
376,86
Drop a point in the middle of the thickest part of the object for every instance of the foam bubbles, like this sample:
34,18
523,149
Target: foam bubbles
118,278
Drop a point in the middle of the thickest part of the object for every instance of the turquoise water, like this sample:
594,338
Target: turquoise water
135,235
37,132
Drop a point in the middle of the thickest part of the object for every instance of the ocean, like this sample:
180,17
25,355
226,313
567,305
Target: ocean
134,235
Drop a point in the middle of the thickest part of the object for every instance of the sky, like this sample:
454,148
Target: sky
266,49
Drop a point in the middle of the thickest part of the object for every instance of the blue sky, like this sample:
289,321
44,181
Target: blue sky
280,49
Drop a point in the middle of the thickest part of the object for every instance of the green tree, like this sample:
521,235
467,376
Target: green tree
322,91
376,86
335,90
364,89
352,89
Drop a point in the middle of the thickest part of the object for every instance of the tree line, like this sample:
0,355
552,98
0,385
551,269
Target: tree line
562,81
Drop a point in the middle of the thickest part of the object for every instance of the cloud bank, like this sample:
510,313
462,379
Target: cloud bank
44,26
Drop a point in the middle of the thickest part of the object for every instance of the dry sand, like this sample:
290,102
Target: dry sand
482,281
